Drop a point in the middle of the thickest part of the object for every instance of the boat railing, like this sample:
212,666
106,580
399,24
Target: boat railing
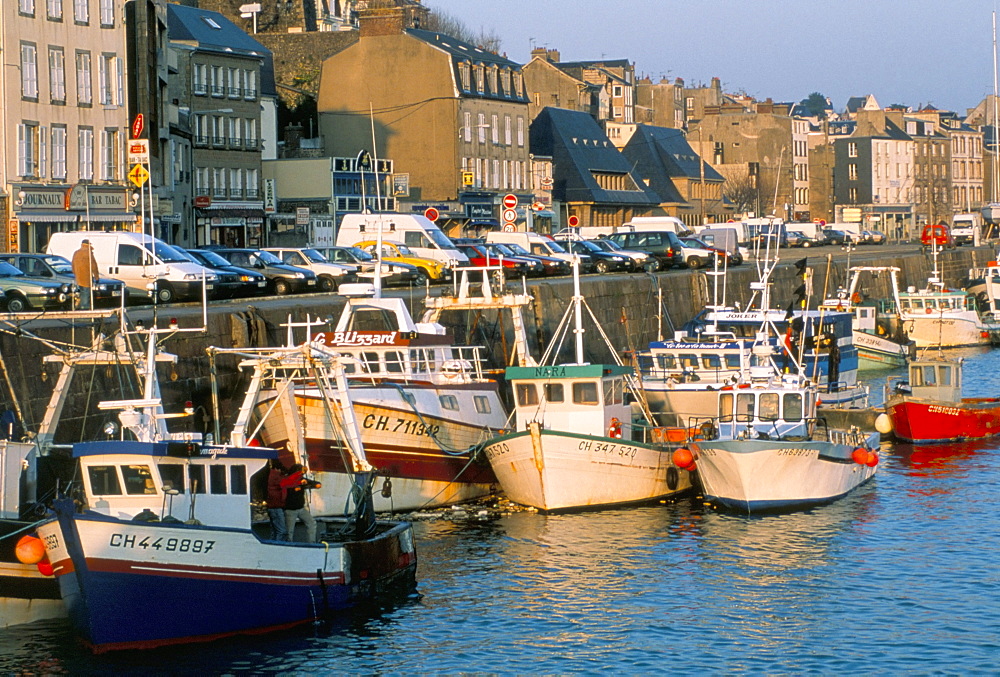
466,363
698,428
852,437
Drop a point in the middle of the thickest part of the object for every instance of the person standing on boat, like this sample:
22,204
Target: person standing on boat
295,503
86,274
276,501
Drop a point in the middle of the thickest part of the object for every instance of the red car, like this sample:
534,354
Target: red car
478,256
937,234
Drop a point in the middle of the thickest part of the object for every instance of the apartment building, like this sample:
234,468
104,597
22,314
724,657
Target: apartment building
64,120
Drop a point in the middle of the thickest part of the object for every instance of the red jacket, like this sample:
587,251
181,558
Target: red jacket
295,498
275,492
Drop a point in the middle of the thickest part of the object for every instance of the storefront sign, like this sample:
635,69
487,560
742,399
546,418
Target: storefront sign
400,185
270,199
479,211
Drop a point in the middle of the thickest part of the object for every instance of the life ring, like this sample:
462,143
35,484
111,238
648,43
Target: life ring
855,297
615,429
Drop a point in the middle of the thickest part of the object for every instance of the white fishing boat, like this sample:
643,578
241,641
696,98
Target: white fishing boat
941,317
576,442
424,404
877,346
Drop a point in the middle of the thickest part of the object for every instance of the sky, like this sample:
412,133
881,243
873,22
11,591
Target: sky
910,52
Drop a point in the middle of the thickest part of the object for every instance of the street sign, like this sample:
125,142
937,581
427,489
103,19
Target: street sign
137,125
468,178
508,227
138,175
431,214
302,216
510,215
138,152
852,214
509,201
573,221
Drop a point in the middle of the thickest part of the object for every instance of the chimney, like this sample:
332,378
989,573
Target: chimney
380,21
716,83
552,56
539,52
293,137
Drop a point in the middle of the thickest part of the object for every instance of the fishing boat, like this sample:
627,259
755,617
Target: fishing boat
877,347
773,452
984,285
576,443
164,548
424,404
940,317
929,407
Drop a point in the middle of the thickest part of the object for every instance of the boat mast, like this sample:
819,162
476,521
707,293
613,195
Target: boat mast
996,115
577,311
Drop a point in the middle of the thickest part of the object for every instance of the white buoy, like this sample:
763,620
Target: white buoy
883,423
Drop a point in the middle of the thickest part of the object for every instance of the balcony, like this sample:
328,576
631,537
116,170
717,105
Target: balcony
250,144
250,94
234,92
218,90
199,89
201,140
252,193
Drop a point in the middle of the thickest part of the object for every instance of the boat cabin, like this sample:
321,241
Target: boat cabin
583,398
929,302
777,410
688,360
936,380
178,480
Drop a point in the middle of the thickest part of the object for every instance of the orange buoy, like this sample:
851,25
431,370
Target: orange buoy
683,458
860,456
29,550
872,460
45,567
930,310
984,334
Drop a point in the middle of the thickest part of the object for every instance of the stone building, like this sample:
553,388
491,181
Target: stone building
660,104
451,115
65,119
548,85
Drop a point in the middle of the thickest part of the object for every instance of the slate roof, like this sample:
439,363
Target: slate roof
660,154
463,51
578,147
212,31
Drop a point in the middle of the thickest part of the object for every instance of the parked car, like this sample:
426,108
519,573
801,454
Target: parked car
329,273
20,292
698,254
836,237
479,255
397,252
638,260
663,245
281,278
938,235
107,292
796,238
233,282
601,261
872,237
392,273
551,265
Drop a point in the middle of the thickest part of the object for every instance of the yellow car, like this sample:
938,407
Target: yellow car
397,252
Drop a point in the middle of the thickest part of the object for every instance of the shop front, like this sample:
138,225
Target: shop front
38,211
230,224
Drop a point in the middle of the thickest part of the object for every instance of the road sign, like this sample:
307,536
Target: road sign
302,216
573,221
431,214
509,201
468,178
138,125
508,227
138,175
852,214
510,215
138,152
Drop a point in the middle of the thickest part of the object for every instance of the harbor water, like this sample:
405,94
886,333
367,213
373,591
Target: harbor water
899,577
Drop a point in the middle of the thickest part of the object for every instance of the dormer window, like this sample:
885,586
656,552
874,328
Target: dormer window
493,80
463,73
480,84
517,84
505,81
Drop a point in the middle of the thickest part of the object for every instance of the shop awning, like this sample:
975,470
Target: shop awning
46,217
116,217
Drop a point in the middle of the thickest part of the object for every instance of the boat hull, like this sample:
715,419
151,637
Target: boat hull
122,592
26,595
931,331
931,421
423,451
878,352
764,475
557,471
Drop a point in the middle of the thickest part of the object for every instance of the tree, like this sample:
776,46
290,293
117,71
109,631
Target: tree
442,22
816,104
741,188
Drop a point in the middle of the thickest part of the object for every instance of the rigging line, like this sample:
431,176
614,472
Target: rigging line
452,481
391,109
451,451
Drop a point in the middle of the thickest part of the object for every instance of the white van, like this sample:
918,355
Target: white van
648,223
414,230
535,243
141,261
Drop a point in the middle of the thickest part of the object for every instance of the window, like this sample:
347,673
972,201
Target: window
130,255
554,392
726,407
29,71
55,9
218,182
495,129
616,90
792,407
107,10
463,74
467,126
238,480
110,154
251,184
218,130
768,410
449,402
745,407
235,183
613,391
852,195
506,131
201,130
852,172
251,133
196,478
585,392
235,132
106,79
481,127
250,85
172,477
217,479
526,394
482,404
233,83
480,84
218,85
57,75
520,132
81,11
852,149
28,149
85,152
84,88
138,480
199,79
104,480
59,152
26,7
